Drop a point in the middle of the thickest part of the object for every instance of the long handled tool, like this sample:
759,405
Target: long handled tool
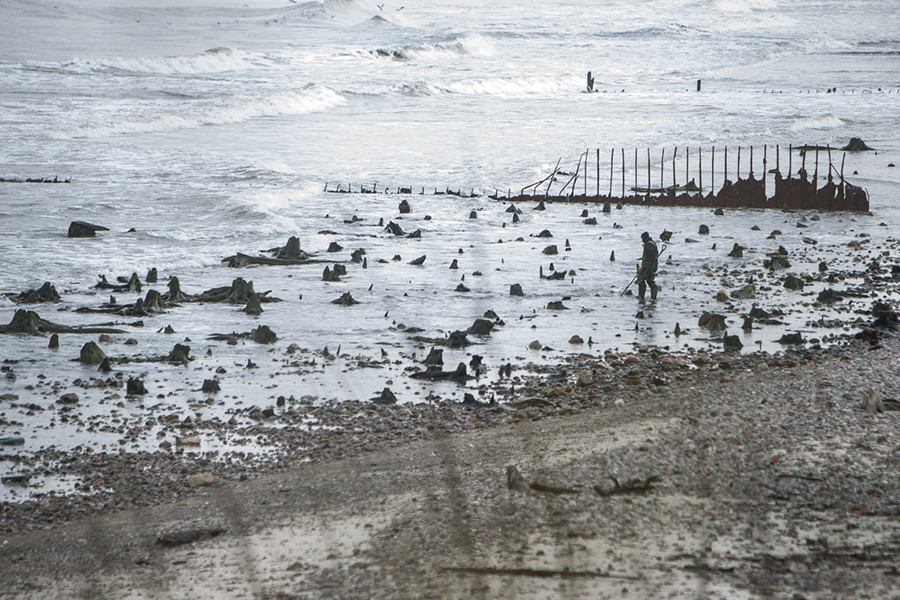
664,248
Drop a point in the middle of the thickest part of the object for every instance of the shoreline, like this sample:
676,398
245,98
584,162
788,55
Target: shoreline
821,461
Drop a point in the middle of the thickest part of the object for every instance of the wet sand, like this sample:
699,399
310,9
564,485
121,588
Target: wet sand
769,479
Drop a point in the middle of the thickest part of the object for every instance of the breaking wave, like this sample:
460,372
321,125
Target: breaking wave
312,98
828,121
214,60
509,87
465,45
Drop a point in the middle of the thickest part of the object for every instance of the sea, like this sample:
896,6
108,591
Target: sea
197,129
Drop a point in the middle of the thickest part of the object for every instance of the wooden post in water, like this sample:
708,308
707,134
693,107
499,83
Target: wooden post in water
635,172
765,168
737,176
662,165
687,164
751,161
816,171
790,159
674,179
598,173
726,164
777,159
803,165
623,173
586,154
700,170
712,171
612,159
648,173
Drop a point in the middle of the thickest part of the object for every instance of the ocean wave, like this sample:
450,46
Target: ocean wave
509,87
464,45
827,121
312,98
214,60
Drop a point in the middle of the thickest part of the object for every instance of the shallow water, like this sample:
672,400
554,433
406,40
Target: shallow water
214,129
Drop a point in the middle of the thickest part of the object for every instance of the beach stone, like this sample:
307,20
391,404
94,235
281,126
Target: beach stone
545,234
435,357
792,282
394,229
455,264
418,261
585,379
550,250
737,251
415,234
462,288
263,335
732,343
334,247
719,212
210,386
180,354
745,293
80,229
791,339
473,215
404,207
666,235
828,296
69,398
200,479
704,230
712,321
512,209
556,305
631,359
516,290
46,293
590,221
254,305
357,255
776,262
612,256
576,339
458,339
481,327
12,441
671,361
722,296
535,345
135,387
152,276
105,366
54,342
91,354
386,397
607,207
540,206
345,300
329,275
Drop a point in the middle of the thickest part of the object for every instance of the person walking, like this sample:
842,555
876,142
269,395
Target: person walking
649,263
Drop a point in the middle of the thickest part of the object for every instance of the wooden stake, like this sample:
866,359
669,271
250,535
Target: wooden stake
585,172
790,160
662,165
816,172
737,177
648,173
700,174
612,159
687,164
777,159
635,172
712,171
623,173
598,173
765,168
751,161
674,180
726,164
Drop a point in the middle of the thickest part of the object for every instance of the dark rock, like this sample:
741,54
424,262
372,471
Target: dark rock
334,247
135,387
745,293
345,300
12,441
540,206
719,212
263,335
515,218
386,397
435,357
210,386
91,354
45,293
404,207
590,221
291,250
704,230
607,207
792,282
516,290
339,270
394,229
737,251
712,321
473,215
462,288
105,366
415,234
556,305
885,317
545,234
791,338
512,209
550,250
69,398
454,264
856,145
481,327
54,342
823,266
665,235
329,275
732,343
418,261
254,305
776,262
828,296
79,229
357,255
457,339
180,354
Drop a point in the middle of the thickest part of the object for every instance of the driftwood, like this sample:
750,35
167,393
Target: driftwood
26,321
242,260
177,538
436,374
562,574
45,293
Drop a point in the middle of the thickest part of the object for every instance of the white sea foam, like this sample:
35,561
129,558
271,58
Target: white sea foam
827,121
214,60
312,98
509,87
